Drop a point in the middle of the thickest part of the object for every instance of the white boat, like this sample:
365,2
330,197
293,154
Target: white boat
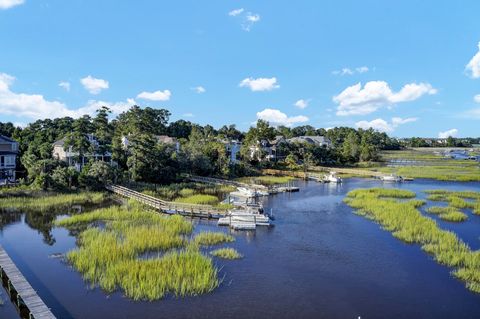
332,178
247,192
241,216
391,178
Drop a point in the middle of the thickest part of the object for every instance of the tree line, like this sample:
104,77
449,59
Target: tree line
203,149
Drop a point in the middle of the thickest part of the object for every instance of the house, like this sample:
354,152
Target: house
313,140
267,149
233,149
161,139
62,153
8,159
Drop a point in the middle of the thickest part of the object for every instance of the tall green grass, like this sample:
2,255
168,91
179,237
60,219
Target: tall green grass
45,201
145,254
405,222
226,253
212,238
450,214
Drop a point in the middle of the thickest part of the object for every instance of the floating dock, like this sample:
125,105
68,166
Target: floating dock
20,290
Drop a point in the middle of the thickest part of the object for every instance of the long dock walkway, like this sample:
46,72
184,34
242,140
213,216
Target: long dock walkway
21,290
191,210
211,180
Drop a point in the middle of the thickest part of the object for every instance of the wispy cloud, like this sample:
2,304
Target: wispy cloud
65,85
94,85
260,84
349,71
199,89
248,19
155,96
452,132
473,67
383,126
355,100
276,117
7,4
236,12
302,103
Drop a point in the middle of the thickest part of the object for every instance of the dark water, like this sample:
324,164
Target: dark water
319,261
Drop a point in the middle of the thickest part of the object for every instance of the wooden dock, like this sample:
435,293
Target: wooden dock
190,210
20,290
219,181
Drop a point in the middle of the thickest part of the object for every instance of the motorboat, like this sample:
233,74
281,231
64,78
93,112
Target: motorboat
391,178
247,192
332,178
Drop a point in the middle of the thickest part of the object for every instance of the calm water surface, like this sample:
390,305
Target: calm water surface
319,261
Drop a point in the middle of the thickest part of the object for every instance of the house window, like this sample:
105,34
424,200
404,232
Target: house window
2,160
14,147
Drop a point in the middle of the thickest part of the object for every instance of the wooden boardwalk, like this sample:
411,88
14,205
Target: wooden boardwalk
20,289
219,181
191,210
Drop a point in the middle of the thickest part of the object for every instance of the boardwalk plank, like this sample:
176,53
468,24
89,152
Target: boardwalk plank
29,296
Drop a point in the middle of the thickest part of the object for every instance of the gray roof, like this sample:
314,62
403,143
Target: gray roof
60,142
310,139
6,139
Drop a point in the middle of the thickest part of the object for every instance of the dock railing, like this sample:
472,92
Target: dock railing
194,210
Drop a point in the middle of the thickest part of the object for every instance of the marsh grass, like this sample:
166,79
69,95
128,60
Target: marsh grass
226,253
457,199
112,256
461,171
198,199
212,238
46,201
266,180
450,214
405,222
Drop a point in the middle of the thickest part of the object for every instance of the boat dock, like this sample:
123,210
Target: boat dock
20,290
189,210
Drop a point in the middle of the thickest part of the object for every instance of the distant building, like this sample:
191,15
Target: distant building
233,149
161,139
8,159
267,149
313,140
72,158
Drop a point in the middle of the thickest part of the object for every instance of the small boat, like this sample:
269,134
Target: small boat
247,192
332,178
244,217
391,178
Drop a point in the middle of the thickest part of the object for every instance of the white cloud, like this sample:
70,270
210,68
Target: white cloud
453,132
236,12
260,84
356,100
250,20
93,85
188,115
471,114
65,85
301,104
362,69
155,96
7,4
36,106
276,117
476,98
384,126
349,71
473,67
199,89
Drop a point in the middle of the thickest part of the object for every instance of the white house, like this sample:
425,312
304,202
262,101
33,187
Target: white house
8,159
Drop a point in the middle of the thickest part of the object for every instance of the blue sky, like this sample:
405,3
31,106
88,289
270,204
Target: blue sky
404,67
